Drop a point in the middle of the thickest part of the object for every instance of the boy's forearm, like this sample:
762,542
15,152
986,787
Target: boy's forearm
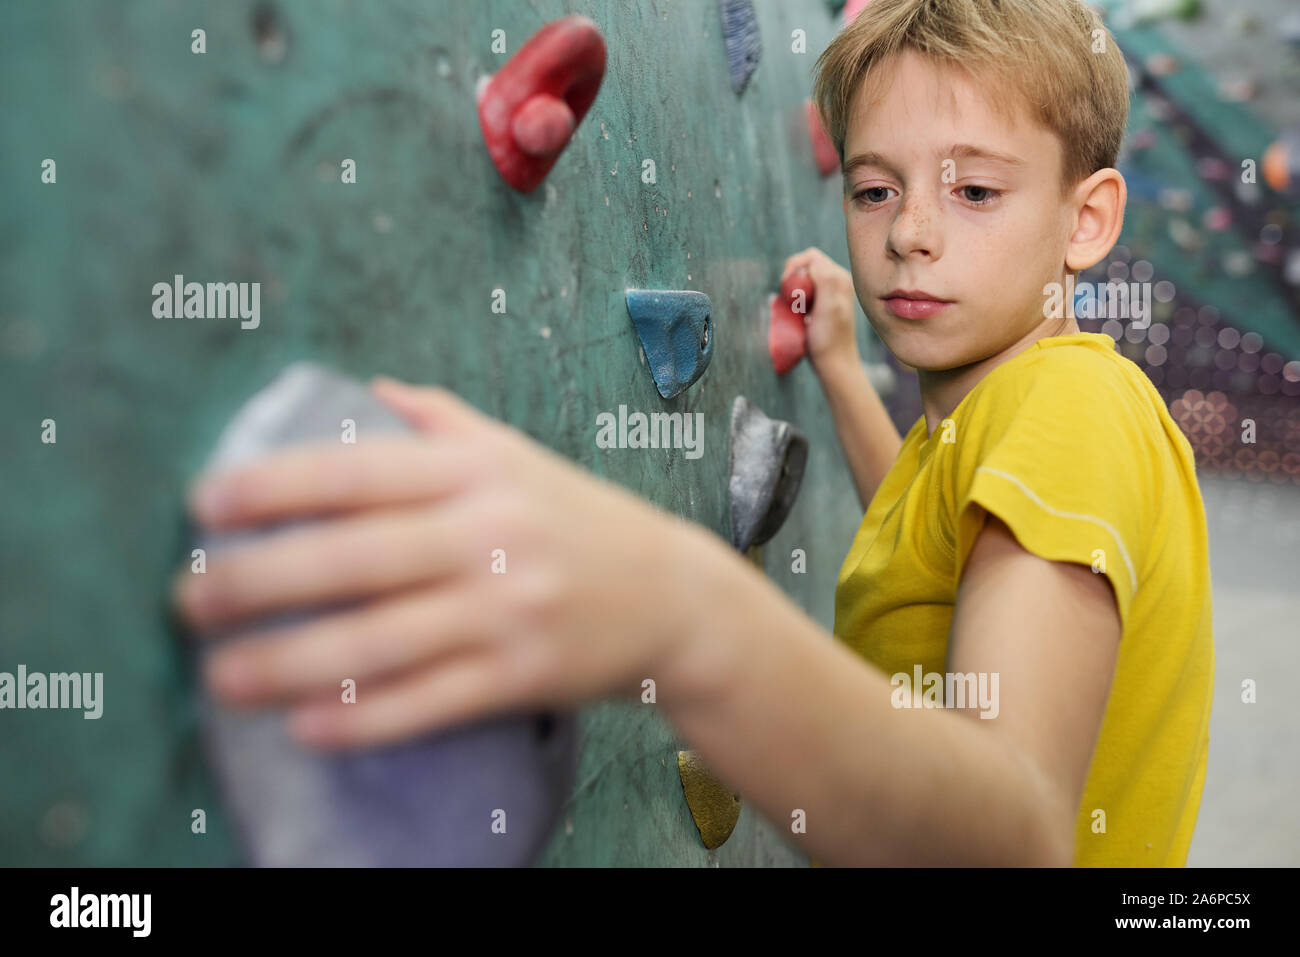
866,432
791,719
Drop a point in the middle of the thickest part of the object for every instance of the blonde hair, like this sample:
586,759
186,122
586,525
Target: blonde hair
1048,52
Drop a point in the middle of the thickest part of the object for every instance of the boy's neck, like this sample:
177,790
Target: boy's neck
943,390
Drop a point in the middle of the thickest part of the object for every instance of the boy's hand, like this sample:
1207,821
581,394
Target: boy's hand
832,321
445,628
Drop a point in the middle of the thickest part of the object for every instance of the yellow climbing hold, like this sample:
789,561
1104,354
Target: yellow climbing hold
714,808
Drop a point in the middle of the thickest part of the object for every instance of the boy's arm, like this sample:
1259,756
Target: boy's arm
867,434
791,720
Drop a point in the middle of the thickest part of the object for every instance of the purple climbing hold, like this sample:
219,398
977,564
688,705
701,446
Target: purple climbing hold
740,30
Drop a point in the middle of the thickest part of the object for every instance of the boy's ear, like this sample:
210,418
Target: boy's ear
1098,204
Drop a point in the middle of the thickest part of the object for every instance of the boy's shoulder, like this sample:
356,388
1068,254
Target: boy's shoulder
1070,414
1080,384
1061,378
1081,360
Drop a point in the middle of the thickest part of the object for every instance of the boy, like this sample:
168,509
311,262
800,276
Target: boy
1039,530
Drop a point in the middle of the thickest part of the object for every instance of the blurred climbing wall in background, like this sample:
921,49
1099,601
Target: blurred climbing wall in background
226,167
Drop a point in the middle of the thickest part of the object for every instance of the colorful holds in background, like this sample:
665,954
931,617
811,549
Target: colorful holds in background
1161,64
529,110
1214,168
828,161
1281,164
1237,90
1142,140
676,331
852,9
1216,219
787,330
1151,11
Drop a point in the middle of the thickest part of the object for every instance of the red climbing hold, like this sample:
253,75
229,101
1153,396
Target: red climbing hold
797,291
529,110
787,335
852,9
828,161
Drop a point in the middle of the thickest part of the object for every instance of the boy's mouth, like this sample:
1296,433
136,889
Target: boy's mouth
913,303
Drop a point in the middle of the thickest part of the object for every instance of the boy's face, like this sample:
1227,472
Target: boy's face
955,202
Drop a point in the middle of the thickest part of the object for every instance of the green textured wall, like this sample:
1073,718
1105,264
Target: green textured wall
225,167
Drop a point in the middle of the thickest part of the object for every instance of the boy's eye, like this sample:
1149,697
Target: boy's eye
873,194
978,194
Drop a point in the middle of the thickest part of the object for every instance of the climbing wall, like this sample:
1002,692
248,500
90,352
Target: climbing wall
226,166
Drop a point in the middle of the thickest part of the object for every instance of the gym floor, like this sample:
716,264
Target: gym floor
1248,813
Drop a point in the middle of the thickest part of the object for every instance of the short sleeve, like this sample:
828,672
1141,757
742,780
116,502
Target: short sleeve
1059,449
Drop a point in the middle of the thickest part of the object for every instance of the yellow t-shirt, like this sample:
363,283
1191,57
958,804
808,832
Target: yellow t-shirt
1070,444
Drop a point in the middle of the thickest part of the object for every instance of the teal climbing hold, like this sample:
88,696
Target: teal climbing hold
676,331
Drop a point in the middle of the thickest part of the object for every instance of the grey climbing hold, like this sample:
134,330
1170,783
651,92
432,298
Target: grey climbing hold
766,465
425,802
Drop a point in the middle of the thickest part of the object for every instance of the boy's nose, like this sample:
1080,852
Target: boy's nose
915,229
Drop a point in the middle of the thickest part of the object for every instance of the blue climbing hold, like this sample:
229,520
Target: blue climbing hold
676,331
740,30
